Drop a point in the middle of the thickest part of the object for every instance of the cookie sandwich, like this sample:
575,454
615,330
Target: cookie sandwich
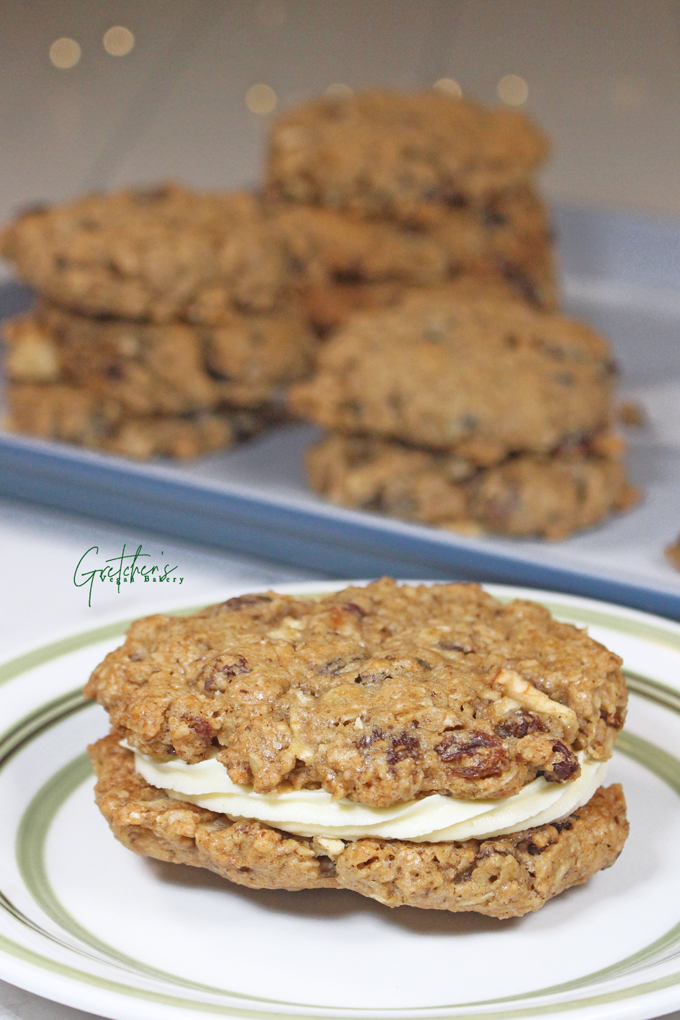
428,746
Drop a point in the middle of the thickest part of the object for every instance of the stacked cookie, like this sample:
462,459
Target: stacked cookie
164,324
383,191
469,413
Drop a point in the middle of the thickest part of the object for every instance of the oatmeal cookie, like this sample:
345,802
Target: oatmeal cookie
74,414
527,494
391,154
173,368
157,254
509,236
505,876
482,378
379,694
329,305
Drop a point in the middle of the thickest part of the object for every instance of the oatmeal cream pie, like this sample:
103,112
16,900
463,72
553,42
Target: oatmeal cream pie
157,254
399,155
421,745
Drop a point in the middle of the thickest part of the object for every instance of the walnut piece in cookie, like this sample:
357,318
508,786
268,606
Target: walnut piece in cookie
380,694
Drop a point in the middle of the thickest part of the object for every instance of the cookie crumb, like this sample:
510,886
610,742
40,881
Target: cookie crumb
632,414
673,553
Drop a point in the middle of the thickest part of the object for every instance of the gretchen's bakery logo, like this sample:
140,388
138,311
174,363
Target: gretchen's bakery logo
125,568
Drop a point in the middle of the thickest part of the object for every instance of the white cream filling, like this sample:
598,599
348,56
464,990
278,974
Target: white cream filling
434,819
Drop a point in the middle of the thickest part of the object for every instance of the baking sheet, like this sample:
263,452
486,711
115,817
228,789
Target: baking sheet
622,273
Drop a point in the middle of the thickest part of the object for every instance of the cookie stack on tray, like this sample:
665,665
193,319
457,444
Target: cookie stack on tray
454,393
163,325
381,192
477,415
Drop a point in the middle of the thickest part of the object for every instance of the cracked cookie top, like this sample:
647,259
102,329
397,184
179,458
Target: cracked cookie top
379,694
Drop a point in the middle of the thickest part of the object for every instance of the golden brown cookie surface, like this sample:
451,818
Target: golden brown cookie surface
380,694
394,154
482,378
510,235
74,414
156,254
171,368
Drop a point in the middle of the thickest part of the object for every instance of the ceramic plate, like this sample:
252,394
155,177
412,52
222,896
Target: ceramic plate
85,922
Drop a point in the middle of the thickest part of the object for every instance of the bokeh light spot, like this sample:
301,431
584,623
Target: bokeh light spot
261,99
118,41
450,86
513,90
65,53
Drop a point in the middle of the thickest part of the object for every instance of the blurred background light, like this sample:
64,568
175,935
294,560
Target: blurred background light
450,86
512,90
261,99
65,53
118,41
338,90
